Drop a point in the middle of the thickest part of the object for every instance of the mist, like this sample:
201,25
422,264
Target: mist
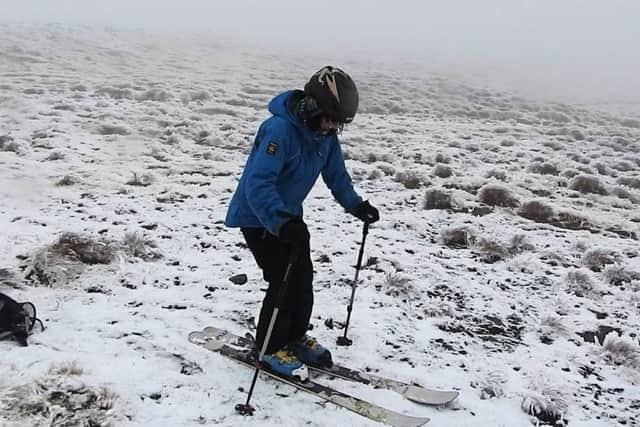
585,50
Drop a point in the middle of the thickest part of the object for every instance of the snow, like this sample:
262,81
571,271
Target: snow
177,116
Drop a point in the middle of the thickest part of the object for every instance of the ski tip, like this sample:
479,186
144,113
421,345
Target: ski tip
400,420
213,345
196,337
430,397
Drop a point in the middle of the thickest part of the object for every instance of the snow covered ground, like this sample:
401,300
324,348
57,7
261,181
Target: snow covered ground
506,264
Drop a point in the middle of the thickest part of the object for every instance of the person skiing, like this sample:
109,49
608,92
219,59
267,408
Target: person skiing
291,149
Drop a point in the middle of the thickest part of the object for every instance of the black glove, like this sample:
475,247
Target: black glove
367,213
296,234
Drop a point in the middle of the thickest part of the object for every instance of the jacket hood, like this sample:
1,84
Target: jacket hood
278,106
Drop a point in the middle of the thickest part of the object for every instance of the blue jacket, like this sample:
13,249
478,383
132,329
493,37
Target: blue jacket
284,164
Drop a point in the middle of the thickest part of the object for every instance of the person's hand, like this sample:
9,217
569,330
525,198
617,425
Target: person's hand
367,213
296,234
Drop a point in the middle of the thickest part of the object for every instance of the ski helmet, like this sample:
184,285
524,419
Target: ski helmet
335,93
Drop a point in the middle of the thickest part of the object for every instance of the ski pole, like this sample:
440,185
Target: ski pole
343,340
246,408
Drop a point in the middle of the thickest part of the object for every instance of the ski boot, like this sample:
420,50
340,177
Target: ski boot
310,352
285,363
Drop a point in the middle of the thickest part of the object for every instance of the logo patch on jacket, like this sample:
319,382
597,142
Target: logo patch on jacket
272,148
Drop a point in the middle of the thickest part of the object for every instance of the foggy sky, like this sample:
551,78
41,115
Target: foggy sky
567,46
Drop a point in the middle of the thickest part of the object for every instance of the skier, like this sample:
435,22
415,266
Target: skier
291,149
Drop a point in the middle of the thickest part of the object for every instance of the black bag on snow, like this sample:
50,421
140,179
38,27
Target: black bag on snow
17,320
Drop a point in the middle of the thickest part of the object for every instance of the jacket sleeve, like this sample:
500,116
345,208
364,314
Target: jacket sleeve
261,181
335,175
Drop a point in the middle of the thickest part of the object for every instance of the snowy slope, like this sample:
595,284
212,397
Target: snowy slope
135,141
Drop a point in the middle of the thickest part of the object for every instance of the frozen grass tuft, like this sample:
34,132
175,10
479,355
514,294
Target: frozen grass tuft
8,144
410,179
497,195
60,398
63,260
536,210
553,325
500,175
66,368
549,410
620,351
82,248
629,182
491,386
67,180
442,171
587,184
157,95
138,246
112,130
618,275
144,180
397,285
597,259
437,199
581,283
438,307
544,169
571,220
55,156
490,250
458,237
199,95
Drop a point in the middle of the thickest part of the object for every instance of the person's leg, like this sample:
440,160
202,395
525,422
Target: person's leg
300,299
271,257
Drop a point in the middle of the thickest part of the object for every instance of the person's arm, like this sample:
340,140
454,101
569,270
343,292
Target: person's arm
335,175
262,177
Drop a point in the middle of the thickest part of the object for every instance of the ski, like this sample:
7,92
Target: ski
329,394
414,392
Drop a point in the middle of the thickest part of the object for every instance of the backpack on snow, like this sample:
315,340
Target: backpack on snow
17,320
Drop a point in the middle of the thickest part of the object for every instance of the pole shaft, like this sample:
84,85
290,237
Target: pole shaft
354,284
272,322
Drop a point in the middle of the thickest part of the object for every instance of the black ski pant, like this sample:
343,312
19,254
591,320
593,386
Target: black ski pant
272,257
